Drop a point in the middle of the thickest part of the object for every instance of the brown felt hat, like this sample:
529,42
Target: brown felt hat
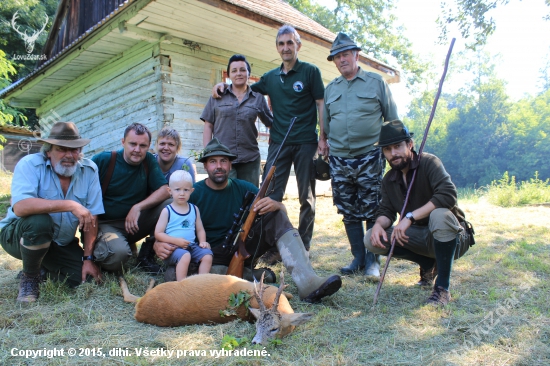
393,132
216,148
342,43
65,134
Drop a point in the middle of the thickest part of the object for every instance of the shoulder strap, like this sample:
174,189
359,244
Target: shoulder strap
110,169
146,167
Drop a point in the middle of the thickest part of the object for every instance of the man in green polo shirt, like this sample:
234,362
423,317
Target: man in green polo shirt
295,89
356,105
133,197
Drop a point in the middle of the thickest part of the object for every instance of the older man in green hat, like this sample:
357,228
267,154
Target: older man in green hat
219,197
356,105
433,230
54,193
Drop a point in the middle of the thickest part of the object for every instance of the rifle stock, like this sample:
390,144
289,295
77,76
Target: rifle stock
236,266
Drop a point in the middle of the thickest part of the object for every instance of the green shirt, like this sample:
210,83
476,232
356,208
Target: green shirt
432,184
217,207
129,184
293,95
354,112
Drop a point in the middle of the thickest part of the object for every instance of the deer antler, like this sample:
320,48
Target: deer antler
43,27
282,286
14,25
259,295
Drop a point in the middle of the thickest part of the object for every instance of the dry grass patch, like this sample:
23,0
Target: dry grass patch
499,313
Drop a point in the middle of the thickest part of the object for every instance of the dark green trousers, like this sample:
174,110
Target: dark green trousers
61,261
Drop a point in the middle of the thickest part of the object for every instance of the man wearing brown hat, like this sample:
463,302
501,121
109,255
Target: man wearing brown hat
54,193
356,105
433,230
219,197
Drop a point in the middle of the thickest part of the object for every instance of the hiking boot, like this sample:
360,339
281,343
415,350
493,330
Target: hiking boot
43,274
269,275
28,288
146,257
439,297
427,277
271,257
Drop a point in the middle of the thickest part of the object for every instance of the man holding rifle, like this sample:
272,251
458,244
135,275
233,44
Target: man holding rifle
433,231
219,197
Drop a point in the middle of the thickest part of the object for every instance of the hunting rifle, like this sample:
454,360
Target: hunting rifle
236,266
434,107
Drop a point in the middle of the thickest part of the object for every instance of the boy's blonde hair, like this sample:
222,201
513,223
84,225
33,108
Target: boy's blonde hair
181,176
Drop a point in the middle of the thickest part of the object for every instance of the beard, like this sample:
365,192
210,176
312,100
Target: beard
405,161
65,171
218,179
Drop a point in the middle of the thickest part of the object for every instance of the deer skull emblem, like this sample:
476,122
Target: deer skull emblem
29,40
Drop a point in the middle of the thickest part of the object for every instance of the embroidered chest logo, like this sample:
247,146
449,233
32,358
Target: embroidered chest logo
185,224
298,86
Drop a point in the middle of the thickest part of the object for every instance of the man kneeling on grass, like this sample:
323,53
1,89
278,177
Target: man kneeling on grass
54,192
433,232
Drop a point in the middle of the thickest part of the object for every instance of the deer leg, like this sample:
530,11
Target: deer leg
151,285
128,297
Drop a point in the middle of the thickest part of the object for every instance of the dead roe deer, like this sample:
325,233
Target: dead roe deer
200,299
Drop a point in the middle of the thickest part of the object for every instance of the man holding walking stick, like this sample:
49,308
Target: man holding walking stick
433,231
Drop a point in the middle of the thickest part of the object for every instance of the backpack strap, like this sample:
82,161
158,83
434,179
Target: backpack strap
110,169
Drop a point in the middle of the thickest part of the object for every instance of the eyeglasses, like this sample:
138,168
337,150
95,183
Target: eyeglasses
281,77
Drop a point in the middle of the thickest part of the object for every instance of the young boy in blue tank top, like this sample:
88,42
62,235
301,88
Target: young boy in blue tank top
180,225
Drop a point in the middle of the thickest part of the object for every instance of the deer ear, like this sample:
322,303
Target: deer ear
255,312
296,318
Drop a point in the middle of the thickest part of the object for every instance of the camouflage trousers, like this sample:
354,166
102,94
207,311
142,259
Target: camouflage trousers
356,185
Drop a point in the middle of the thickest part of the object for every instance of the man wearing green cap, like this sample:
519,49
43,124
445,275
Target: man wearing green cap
356,105
433,230
54,193
220,197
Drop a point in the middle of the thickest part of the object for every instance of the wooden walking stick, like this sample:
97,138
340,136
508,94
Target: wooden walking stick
434,106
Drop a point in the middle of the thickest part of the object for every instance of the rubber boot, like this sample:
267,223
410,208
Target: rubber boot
311,287
372,261
146,257
444,255
355,233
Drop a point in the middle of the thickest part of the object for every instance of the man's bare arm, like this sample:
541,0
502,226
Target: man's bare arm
323,146
153,200
88,241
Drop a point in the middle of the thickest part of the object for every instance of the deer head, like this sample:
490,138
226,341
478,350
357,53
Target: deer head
29,40
269,322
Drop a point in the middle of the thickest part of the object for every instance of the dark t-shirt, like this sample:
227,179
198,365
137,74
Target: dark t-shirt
128,184
218,206
293,95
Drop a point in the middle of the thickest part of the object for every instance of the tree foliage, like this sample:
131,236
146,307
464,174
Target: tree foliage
371,24
31,17
472,19
479,134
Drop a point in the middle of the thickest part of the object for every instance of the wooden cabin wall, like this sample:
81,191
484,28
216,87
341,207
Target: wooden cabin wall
104,101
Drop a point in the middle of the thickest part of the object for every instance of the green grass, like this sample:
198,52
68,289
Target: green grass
5,196
507,193
500,312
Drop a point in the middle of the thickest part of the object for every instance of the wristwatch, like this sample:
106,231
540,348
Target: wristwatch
410,216
88,258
